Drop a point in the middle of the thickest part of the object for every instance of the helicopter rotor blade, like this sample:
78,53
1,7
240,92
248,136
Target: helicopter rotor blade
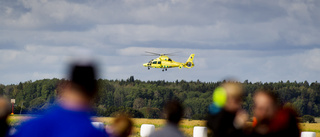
157,54
171,54
148,55
153,53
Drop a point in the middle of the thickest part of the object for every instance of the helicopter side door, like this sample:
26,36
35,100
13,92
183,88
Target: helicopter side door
156,64
169,63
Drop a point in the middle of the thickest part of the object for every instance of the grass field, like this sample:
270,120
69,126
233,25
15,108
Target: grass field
185,125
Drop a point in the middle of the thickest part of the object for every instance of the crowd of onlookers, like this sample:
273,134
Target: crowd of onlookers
270,117
71,118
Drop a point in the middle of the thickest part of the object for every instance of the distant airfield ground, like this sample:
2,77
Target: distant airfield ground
185,125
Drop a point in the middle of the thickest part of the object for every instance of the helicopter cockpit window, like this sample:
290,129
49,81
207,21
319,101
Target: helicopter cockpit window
169,59
154,62
159,62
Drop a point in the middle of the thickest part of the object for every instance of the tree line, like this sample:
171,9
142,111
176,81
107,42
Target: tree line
145,99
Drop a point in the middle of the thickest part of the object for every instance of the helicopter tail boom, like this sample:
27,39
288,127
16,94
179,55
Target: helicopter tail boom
189,63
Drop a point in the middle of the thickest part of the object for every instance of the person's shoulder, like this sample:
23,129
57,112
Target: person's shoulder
156,134
28,128
159,133
36,124
36,121
163,133
99,133
167,131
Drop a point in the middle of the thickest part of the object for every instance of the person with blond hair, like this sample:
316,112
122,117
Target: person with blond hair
228,119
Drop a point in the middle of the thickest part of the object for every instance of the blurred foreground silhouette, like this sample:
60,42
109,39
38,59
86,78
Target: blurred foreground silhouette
121,126
70,117
227,119
5,110
230,120
173,111
272,118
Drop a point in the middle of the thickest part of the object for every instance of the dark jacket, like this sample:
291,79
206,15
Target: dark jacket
284,124
4,128
221,124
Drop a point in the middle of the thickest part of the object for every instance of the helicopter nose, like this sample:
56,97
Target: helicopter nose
145,64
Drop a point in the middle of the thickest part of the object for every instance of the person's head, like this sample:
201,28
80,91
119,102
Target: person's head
4,108
173,111
81,86
122,126
266,104
234,91
83,79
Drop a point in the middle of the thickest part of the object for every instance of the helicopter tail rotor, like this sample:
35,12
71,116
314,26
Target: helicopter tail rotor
189,63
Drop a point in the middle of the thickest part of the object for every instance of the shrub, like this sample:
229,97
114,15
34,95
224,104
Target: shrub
308,119
198,117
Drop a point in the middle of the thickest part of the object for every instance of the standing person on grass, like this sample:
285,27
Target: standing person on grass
70,117
173,111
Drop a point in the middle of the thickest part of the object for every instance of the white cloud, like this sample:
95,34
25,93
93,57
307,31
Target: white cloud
312,60
256,40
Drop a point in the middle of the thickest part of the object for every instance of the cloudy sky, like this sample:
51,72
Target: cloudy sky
258,40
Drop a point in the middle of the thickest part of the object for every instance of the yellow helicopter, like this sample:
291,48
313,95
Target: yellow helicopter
164,62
